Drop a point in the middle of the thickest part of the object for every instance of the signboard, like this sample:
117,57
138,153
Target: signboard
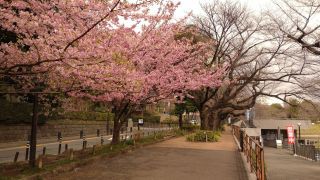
130,123
290,132
140,121
279,143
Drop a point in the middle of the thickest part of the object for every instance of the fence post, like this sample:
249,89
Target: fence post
71,154
241,140
262,164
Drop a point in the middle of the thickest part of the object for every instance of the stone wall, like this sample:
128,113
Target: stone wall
11,133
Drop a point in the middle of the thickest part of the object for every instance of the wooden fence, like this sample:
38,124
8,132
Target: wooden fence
253,152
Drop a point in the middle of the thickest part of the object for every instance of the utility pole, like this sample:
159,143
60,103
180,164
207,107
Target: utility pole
33,139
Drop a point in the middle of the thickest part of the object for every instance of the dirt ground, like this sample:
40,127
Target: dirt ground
174,159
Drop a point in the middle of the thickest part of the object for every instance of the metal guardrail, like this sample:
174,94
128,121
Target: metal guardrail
308,152
253,152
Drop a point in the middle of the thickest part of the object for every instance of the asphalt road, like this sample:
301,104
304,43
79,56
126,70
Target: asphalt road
282,165
7,154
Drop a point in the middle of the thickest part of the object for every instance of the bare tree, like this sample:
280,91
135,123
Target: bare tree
257,60
298,21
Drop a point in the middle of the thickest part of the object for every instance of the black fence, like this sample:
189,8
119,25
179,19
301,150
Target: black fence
308,151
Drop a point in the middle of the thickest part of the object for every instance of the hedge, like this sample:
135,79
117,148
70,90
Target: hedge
204,136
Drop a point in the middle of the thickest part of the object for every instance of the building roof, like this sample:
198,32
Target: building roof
282,124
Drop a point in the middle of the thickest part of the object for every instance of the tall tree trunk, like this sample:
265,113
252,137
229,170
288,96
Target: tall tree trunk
116,131
180,120
204,118
214,120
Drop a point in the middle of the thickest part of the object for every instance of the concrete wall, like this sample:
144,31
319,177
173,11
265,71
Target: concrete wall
11,133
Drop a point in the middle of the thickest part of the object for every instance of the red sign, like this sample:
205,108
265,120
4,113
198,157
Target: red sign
290,132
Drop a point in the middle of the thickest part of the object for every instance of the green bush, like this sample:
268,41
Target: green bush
83,115
146,118
14,113
203,136
180,132
190,128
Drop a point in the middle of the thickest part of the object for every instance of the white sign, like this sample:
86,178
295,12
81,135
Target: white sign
130,123
140,121
279,143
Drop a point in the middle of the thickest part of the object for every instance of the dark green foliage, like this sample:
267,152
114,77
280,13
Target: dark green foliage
276,106
147,117
203,136
190,127
293,110
187,107
83,115
12,113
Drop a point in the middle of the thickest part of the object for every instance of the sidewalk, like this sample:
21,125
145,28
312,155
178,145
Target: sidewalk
170,160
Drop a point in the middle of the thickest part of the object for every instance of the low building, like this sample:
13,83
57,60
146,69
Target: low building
273,129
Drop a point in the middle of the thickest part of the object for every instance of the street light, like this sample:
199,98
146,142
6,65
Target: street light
299,124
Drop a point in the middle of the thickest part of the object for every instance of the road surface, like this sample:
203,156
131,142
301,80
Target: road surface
7,154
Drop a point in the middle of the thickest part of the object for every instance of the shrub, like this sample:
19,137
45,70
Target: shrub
84,115
180,132
203,136
190,128
147,118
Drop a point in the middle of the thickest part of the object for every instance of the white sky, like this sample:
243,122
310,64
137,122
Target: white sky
194,6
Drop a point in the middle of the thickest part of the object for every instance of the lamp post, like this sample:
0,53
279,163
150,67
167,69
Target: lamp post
299,124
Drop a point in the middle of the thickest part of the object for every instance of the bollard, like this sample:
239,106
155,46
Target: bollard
27,151
98,132
44,151
101,140
66,147
84,142
130,129
59,149
81,134
16,157
59,136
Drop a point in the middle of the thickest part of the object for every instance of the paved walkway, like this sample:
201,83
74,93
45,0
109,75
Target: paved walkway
282,165
170,160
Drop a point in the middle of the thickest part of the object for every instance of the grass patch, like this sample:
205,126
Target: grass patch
204,136
313,130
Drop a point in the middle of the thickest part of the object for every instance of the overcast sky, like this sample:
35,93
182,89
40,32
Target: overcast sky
194,6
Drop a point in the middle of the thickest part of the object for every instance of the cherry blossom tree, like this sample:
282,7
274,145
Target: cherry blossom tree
122,53
137,67
42,42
